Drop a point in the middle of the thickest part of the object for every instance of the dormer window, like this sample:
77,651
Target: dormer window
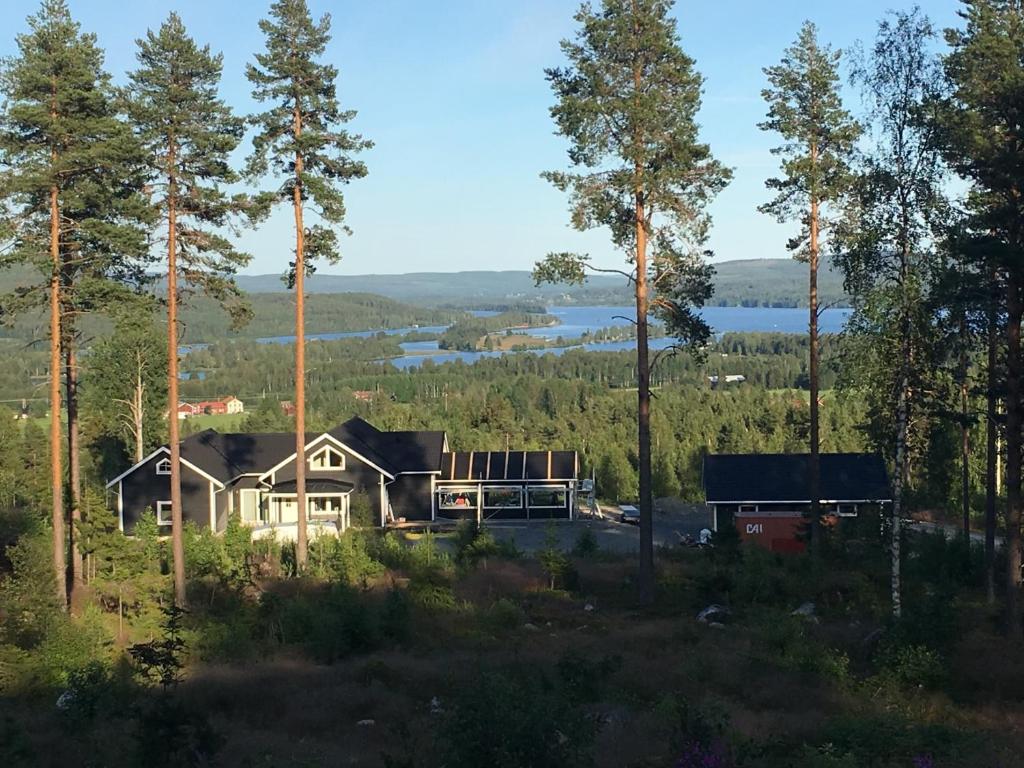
163,467
326,459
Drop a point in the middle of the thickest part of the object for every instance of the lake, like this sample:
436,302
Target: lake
575,321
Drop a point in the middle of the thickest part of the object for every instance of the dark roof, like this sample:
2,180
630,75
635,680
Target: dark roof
509,465
394,452
225,456
228,455
783,477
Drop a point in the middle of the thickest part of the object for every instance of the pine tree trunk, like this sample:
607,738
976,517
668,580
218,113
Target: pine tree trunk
173,432
991,457
1013,454
56,470
301,537
814,461
74,469
965,437
646,585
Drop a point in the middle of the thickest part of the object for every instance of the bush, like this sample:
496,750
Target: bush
360,511
473,544
586,545
511,719
914,666
504,614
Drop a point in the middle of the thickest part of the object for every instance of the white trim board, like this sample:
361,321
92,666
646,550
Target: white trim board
164,449
337,442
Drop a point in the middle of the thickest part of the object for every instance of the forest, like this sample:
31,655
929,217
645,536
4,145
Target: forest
892,639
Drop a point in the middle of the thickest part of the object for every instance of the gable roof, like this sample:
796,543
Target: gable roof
509,465
766,477
225,456
395,452
228,455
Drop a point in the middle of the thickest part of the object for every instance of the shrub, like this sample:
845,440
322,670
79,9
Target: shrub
473,544
360,510
396,617
511,719
912,666
586,545
504,614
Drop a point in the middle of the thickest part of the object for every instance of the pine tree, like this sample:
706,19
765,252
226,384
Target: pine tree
301,138
188,133
628,102
70,187
805,109
981,132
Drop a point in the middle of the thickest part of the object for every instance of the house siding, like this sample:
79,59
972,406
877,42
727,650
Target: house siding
143,488
363,477
410,497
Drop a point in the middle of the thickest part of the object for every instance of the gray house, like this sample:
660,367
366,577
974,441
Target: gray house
408,477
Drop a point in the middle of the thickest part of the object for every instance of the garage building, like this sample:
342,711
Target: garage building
765,496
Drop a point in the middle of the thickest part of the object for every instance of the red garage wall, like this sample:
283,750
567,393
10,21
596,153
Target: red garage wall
779,532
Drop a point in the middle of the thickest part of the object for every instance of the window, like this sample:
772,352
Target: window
163,467
163,513
846,510
326,459
503,498
251,509
547,497
325,507
457,499
747,509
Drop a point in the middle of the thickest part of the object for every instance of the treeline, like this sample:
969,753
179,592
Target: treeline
266,315
467,334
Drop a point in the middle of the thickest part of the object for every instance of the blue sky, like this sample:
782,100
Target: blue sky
454,97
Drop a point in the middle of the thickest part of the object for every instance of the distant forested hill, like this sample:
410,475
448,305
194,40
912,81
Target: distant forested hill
747,282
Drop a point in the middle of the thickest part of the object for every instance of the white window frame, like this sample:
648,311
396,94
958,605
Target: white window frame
326,450
514,488
746,509
163,467
159,508
851,509
556,488
474,491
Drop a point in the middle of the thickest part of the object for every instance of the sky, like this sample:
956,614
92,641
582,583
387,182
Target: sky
454,97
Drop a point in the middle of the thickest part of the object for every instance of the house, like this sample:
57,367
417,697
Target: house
233,405
187,410
766,497
287,407
408,477
363,395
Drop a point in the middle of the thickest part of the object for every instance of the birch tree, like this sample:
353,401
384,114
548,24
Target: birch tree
885,242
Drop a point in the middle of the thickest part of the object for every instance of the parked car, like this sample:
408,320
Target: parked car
629,514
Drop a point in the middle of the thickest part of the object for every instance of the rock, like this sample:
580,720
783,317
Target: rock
588,607
806,611
531,627
435,706
716,625
65,700
713,613
367,722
